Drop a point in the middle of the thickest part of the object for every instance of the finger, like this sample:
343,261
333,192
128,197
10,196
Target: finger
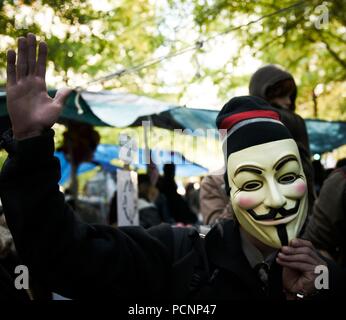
292,250
31,53
301,243
41,60
300,250
298,258
300,266
61,96
22,62
11,68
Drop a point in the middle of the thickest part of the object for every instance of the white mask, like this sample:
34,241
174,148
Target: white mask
269,191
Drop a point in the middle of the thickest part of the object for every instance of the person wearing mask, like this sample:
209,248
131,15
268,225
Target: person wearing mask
255,256
277,87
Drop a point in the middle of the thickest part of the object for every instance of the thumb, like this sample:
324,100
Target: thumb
61,95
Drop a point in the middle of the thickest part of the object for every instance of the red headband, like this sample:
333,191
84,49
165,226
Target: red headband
230,121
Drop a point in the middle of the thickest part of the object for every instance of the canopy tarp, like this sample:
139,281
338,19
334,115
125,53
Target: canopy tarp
105,154
103,108
122,109
75,109
324,136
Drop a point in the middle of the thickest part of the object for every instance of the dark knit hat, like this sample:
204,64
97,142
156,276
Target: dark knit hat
249,121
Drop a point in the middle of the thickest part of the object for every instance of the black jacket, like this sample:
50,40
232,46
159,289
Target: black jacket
79,260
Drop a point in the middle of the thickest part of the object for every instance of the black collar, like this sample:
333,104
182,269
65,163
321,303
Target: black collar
224,250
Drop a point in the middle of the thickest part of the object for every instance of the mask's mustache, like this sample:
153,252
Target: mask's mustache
273,213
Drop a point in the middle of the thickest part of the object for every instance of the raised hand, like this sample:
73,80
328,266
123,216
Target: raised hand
30,107
299,261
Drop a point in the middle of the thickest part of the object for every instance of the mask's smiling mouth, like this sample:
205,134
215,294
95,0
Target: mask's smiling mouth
275,216
274,222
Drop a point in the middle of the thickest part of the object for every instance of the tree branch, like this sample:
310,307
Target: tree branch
330,50
335,55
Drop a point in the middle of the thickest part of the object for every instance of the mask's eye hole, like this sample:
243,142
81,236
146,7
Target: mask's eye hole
288,178
252,185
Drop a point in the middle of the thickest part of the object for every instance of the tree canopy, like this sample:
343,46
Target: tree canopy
90,39
86,40
306,37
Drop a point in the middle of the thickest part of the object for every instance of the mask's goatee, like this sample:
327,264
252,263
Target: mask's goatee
282,234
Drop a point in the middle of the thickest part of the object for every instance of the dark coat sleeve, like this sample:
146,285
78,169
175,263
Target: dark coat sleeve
75,259
326,228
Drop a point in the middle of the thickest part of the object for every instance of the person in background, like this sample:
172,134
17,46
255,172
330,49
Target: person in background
319,175
192,198
8,292
152,204
113,210
278,87
6,240
9,260
178,207
327,226
161,200
148,213
274,85
214,201
340,163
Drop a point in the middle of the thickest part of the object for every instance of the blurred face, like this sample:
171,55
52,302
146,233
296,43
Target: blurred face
284,102
269,191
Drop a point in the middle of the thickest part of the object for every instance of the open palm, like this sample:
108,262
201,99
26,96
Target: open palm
30,108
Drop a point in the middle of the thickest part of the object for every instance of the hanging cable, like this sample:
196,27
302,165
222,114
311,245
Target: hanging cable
196,46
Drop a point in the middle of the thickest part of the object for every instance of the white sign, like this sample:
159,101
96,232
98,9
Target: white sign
127,198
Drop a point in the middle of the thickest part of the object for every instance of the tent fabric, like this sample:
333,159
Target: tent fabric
106,153
123,109
66,167
325,136
75,109
107,108
194,119
182,118
108,105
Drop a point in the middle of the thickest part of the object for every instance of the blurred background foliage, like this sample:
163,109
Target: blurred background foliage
309,40
88,39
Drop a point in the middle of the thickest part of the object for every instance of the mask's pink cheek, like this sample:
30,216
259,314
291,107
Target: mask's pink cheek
246,202
300,188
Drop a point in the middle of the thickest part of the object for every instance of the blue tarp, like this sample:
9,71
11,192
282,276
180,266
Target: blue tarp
105,153
324,136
